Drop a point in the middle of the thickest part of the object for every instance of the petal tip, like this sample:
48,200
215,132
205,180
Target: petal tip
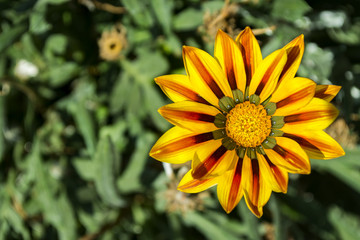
341,153
247,28
185,49
161,110
152,153
180,188
220,31
227,207
228,211
301,37
188,48
157,80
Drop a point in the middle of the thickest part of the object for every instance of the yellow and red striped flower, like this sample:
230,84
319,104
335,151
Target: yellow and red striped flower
245,122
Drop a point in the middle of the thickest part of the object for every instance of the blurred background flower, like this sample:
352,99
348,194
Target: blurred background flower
112,42
76,133
24,70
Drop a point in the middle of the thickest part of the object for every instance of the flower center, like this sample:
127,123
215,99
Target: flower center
248,124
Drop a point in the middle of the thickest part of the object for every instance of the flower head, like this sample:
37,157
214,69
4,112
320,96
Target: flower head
111,43
245,122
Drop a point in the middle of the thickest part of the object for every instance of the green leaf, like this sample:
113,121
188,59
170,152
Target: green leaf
116,132
250,221
63,217
139,10
172,45
289,10
277,218
139,35
45,192
316,64
206,227
97,218
55,45
85,123
188,19
144,67
153,101
130,180
61,74
38,23
233,226
347,225
105,160
350,36
9,36
213,6
7,211
86,168
120,93
2,126
345,168
42,3
163,10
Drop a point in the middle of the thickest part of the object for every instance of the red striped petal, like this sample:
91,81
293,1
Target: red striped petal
327,92
191,115
275,176
189,184
256,189
251,52
203,168
316,115
230,58
178,88
229,189
289,155
294,52
267,74
178,145
317,144
206,75
256,210
213,162
293,94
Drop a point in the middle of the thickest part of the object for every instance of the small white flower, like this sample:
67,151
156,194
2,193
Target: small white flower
355,92
331,19
25,69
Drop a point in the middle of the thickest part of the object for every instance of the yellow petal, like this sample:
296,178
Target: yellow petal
189,184
276,177
229,189
212,162
317,144
293,94
178,88
255,209
267,74
194,116
230,58
251,52
178,145
317,115
206,75
256,189
327,92
289,155
294,52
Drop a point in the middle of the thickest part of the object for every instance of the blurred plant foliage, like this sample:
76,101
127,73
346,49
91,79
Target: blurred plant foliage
77,129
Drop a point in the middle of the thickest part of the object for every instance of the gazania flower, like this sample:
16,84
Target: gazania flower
245,122
111,43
